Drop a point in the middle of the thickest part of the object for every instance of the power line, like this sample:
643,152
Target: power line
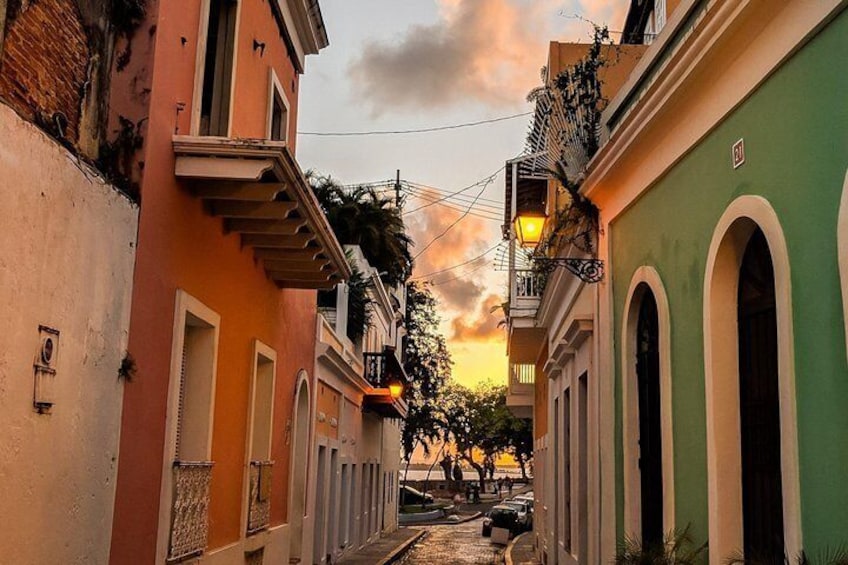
445,191
460,276
482,208
445,270
484,181
450,227
476,214
408,131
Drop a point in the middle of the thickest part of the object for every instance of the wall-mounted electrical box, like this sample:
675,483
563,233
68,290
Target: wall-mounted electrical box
45,368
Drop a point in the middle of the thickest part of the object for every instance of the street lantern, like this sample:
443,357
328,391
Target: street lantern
396,388
529,227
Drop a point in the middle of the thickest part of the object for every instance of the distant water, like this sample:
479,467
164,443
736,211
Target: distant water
468,474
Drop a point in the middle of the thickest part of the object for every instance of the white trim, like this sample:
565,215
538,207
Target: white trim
721,375
648,277
842,252
260,350
185,304
274,87
199,68
302,381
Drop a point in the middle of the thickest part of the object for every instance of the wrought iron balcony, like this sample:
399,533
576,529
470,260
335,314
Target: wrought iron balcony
385,373
259,502
190,510
383,368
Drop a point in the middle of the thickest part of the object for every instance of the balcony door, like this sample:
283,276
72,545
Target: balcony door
650,423
759,399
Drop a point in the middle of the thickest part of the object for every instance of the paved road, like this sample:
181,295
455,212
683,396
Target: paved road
460,544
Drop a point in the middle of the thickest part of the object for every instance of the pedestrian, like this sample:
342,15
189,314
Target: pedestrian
509,485
500,485
468,492
457,502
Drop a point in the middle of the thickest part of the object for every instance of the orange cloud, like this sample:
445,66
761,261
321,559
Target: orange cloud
482,325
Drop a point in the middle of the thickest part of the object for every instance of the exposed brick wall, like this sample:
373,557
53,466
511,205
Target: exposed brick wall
45,64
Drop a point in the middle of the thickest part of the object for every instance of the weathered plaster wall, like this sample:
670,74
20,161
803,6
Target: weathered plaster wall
66,262
794,128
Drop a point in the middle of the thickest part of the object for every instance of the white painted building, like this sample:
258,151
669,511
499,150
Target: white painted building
66,265
355,447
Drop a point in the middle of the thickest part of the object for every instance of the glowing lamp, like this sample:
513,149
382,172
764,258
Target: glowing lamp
396,388
528,228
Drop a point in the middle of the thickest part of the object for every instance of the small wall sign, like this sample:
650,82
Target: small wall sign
738,153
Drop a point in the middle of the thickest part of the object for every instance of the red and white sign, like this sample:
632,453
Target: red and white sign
738,153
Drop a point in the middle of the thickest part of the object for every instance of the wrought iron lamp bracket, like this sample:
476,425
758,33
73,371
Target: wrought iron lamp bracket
587,270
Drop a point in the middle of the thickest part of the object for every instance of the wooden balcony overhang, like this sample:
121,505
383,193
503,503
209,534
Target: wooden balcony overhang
258,190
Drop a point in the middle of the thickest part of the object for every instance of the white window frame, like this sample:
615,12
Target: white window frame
200,67
274,87
260,350
186,305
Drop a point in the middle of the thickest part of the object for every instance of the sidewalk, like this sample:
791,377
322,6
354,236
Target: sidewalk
520,551
385,550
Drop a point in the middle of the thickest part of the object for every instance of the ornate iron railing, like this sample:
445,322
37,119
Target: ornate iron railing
190,510
259,501
375,368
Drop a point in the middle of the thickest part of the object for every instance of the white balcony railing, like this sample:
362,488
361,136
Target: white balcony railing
528,284
190,511
259,509
522,374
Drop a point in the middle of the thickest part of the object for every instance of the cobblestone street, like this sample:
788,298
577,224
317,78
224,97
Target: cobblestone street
460,544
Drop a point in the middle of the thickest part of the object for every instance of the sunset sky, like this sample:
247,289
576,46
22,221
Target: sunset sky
407,64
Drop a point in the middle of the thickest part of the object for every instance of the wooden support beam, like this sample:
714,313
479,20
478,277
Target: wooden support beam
289,266
254,191
288,254
257,210
298,241
276,227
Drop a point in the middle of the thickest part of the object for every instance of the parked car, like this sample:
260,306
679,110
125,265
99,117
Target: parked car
409,495
524,513
500,516
528,498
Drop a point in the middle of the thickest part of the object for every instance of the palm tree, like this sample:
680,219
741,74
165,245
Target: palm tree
363,217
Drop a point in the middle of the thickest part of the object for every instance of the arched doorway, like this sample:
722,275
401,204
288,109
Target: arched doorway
299,466
650,422
759,405
750,388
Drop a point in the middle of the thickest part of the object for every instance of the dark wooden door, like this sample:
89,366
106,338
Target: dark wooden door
762,493
650,431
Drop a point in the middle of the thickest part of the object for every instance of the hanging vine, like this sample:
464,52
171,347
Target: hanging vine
567,128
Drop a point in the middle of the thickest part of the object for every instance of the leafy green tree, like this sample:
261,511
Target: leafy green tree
361,216
427,362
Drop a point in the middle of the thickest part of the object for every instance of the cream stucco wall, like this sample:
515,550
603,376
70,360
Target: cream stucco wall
66,261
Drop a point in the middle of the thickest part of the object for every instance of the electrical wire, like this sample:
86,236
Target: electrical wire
489,212
484,181
432,196
450,227
480,215
409,131
444,191
446,269
458,277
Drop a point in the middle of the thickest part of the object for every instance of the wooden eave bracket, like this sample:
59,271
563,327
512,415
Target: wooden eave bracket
280,219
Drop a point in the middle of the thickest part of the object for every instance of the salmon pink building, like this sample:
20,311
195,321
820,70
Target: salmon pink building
231,249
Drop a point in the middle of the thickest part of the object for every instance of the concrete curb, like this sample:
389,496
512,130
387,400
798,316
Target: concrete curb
508,551
398,552
450,522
